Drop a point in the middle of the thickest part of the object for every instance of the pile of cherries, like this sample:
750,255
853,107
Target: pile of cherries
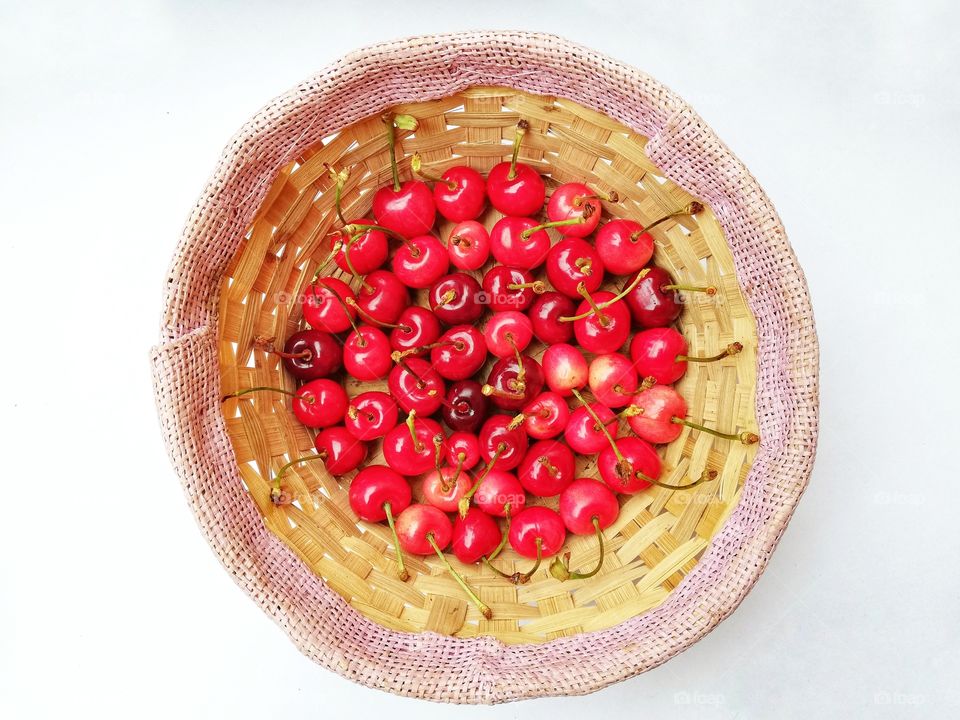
482,447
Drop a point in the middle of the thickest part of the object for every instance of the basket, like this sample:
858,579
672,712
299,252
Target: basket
678,562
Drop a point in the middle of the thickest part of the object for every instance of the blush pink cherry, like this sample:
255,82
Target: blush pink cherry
564,368
612,379
468,245
445,487
624,246
658,415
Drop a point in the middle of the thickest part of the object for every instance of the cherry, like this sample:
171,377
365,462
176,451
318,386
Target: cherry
545,416
658,415
460,194
475,536
661,353
406,208
629,465
382,298
507,332
612,379
565,368
603,325
340,450
536,532
366,354
545,314
515,188
363,252
500,494
456,299
655,302
512,384
318,403
586,506
415,385
519,242
589,427
415,328
465,406
468,245
501,444
508,288
371,415
443,488
571,262
547,468
624,246
307,354
463,450
421,261
575,201
326,305
376,493
460,353
410,448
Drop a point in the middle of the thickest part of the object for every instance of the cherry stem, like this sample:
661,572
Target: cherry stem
276,492
691,209
459,241
416,164
266,345
448,297
361,228
437,456
461,458
491,391
596,308
560,569
346,311
522,128
578,220
521,379
398,358
503,538
329,259
258,388
374,321
709,289
551,468
417,445
729,351
705,476
391,146
353,271
613,197
464,505
523,578
457,344
539,287
603,428
474,598
401,568
747,438
340,178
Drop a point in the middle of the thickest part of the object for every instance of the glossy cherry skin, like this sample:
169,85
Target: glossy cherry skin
582,434
324,354
660,404
510,247
521,195
409,212
421,261
547,468
573,261
641,457
324,305
496,430
475,536
498,294
371,415
417,522
446,498
569,201
465,201
461,353
503,379
546,416
533,523
466,406
383,296
468,245
585,499
498,490
507,332
601,337
418,327
422,392
612,379
342,452
456,299
375,486
623,246
544,316
565,368
400,452
654,353
651,305
320,403
463,447
368,250
366,354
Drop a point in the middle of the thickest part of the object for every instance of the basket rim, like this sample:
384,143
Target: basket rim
484,670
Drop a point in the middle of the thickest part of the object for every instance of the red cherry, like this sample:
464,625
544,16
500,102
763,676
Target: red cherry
655,409
545,416
656,300
605,331
325,305
507,332
475,536
623,246
456,299
612,380
408,211
537,532
461,194
468,245
507,288
564,368
547,468
364,253
375,487
310,354
501,444
443,488
515,188
661,353
341,451
630,467
382,297
585,499
465,406
416,386
544,316
320,403
463,450
459,353
498,490
418,524
583,433
410,448
571,262
366,354
421,261
511,385
416,327
371,415
569,202
519,242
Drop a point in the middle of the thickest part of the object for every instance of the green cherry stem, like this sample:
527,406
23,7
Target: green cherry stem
690,209
464,505
560,569
474,598
745,437
522,128
258,388
578,220
416,164
596,308
401,567
729,351
276,492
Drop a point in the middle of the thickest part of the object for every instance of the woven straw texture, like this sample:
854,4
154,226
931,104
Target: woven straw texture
253,243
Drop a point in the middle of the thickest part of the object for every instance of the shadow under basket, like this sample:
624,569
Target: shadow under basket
677,562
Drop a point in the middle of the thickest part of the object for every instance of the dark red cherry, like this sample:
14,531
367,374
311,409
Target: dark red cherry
544,316
325,305
585,499
568,202
409,448
501,443
460,353
606,331
584,435
371,415
657,301
508,288
409,211
311,354
573,261
461,194
416,386
475,536
508,388
320,403
341,451
417,327
421,261
364,253
498,491
468,245
375,487
382,297
627,473
366,354
533,524
456,299
418,524
519,242
623,246
547,468
465,406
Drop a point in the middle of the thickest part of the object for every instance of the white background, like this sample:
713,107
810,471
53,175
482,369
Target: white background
112,118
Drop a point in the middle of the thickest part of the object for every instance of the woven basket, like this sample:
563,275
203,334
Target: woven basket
678,562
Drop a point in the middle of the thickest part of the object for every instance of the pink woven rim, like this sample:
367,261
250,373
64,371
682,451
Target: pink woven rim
187,384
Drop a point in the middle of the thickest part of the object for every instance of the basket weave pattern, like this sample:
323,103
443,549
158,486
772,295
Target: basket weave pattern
208,337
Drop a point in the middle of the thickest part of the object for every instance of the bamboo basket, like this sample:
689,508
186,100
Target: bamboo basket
678,562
